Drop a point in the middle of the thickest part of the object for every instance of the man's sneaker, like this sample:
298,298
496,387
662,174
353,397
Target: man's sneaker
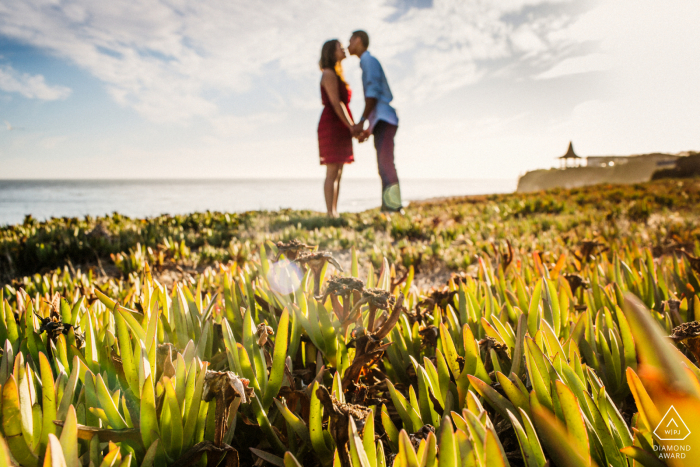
396,210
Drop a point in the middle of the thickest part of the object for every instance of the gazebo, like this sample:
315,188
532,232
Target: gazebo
570,156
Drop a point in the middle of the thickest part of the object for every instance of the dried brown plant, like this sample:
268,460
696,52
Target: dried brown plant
291,249
689,334
315,262
588,249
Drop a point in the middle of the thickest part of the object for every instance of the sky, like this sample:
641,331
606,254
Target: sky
484,89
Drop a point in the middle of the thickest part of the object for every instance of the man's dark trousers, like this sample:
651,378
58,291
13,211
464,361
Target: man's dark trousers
384,144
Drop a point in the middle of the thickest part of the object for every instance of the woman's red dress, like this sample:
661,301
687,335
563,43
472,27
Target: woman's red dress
334,138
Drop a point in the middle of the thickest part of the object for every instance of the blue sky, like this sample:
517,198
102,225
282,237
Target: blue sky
484,89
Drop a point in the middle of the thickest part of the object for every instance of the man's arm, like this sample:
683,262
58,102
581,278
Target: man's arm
370,104
371,82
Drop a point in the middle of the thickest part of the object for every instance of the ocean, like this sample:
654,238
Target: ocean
44,199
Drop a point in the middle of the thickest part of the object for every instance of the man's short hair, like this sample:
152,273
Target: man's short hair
364,37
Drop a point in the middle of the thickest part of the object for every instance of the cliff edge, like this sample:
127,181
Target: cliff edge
633,169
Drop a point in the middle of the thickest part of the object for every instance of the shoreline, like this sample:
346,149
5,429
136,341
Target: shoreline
139,199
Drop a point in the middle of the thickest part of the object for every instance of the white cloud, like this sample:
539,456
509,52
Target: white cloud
30,86
172,61
576,65
653,102
526,39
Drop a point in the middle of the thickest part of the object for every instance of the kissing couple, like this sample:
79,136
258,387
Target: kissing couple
337,127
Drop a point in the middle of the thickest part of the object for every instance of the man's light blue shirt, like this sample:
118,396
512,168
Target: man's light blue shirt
375,86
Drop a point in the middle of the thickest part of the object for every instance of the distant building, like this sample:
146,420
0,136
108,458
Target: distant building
606,161
570,159
661,160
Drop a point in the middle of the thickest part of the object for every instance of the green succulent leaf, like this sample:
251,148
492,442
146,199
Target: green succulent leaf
278,360
12,425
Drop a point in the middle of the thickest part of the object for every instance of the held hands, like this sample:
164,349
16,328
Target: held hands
359,133
356,130
364,135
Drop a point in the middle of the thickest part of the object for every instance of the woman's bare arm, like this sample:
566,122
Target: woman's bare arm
329,81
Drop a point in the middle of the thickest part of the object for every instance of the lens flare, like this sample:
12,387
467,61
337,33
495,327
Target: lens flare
285,277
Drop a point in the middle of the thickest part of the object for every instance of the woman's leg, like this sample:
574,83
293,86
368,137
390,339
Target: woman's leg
329,186
336,190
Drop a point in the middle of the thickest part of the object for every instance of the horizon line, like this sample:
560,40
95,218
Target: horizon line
205,179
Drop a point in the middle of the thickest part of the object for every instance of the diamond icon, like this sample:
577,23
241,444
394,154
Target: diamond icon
672,427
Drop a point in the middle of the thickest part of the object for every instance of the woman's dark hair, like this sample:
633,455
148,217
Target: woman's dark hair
328,58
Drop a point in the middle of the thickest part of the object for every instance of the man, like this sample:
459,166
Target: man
382,119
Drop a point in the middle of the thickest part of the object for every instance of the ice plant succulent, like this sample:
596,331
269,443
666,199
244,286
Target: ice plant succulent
520,366
315,262
343,287
339,414
263,331
377,299
368,342
688,334
439,297
53,325
292,249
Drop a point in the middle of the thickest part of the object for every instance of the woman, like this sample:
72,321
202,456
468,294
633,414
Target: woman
335,127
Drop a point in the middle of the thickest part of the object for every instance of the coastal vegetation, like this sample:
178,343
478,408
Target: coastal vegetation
521,329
